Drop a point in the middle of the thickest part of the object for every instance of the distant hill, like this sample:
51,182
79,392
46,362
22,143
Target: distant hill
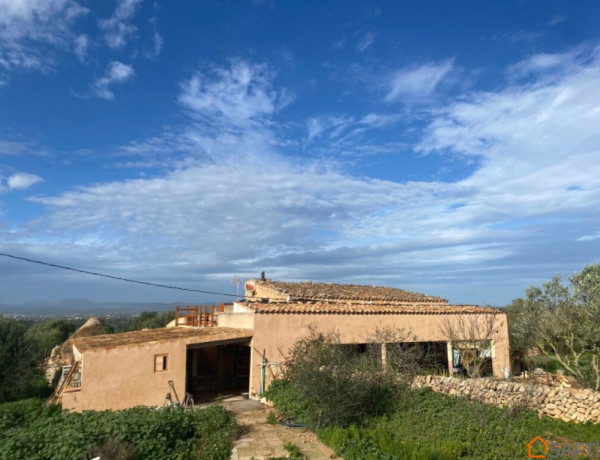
84,307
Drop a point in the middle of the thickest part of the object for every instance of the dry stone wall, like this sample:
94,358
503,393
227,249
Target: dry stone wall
568,404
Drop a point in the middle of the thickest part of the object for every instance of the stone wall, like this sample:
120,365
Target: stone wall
568,404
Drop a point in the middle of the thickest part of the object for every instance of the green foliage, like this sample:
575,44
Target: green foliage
379,444
138,433
145,320
419,425
290,401
20,359
330,383
563,323
46,335
294,453
271,418
429,425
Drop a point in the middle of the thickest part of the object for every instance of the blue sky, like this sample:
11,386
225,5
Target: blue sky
442,147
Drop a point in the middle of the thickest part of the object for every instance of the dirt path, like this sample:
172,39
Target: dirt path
262,440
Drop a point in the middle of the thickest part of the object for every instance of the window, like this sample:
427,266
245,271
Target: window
161,363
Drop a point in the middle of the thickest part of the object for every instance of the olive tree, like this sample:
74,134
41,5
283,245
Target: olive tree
563,322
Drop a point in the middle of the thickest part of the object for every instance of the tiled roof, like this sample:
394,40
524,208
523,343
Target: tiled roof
348,292
364,309
192,335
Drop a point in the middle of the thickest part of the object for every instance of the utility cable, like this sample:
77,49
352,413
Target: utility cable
62,267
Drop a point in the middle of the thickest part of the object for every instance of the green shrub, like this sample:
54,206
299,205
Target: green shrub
429,425
135,433
330,383
271,418
290,401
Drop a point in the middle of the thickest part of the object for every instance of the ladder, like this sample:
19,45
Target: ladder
66,378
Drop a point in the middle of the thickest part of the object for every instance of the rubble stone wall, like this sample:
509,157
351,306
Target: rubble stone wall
568,404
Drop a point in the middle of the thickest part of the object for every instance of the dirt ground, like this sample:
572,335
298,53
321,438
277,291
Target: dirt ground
262,440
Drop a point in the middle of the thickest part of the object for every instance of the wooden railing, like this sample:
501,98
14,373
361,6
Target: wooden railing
197,316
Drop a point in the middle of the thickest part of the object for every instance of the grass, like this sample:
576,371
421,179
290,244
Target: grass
431,425
425,425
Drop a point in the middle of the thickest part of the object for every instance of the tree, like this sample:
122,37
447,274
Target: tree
563,322
20,375
47,334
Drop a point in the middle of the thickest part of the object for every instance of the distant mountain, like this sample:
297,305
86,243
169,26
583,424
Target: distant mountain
84,307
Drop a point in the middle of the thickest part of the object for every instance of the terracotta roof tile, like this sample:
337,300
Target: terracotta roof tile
191,334
364,309
346,292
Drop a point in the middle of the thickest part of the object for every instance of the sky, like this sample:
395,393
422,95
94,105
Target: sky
449,148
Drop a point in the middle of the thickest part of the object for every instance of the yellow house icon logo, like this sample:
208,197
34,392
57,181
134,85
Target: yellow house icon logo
541,442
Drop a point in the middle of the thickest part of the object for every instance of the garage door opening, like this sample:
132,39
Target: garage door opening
218,370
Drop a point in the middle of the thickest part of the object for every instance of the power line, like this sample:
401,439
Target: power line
118,278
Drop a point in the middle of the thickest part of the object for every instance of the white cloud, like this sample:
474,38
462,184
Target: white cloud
116,73
238,96
548,64
30,30
412,83
247,206
81,46
592,237
556,19
367,39
158,41
22,181
119,28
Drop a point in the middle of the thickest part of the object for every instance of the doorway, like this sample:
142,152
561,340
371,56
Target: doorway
217,370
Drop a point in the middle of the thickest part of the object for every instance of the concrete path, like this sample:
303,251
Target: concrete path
261,440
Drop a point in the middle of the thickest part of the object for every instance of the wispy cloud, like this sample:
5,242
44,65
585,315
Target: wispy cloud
522,36
81,46
548,64
250,205
237,96
366,40
30,32
417,82
556,19
116,73
119,27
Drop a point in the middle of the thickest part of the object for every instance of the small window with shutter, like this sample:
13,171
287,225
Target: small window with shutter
161,363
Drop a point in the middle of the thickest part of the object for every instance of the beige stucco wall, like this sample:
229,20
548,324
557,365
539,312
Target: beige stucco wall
124,377
236,320
277,333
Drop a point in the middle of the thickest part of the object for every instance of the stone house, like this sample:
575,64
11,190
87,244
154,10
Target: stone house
241,347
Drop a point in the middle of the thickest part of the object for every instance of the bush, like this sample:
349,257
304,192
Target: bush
428,425
328,383
32,433
361,411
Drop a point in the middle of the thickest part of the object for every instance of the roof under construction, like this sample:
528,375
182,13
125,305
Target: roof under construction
192,335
